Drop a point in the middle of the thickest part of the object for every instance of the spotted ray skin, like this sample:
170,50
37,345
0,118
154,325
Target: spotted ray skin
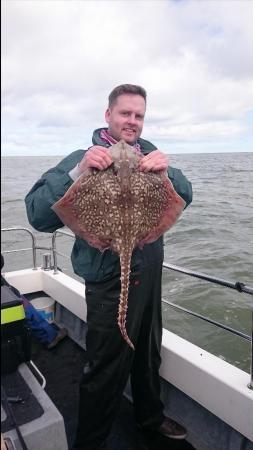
120,208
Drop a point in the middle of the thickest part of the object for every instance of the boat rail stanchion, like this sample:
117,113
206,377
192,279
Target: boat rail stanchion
34,251
250,385
54,252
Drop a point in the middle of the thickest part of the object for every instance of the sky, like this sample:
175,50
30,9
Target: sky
61,59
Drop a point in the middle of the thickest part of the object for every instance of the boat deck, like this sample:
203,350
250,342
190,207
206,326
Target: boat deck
62,368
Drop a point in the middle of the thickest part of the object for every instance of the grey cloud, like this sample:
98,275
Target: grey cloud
61,59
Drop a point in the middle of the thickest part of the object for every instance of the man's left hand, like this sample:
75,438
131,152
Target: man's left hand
154,162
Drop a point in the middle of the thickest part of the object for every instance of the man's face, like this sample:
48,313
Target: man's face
126,117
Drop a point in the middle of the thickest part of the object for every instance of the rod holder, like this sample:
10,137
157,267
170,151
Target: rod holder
47,261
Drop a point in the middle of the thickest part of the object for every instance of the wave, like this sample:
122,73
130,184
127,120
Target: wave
12,200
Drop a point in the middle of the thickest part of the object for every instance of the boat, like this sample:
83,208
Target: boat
212,398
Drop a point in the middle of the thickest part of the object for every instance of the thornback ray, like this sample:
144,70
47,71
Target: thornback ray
119,209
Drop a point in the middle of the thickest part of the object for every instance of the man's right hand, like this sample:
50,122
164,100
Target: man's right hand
98,157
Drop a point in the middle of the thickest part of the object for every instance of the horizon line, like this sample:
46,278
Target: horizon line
176,153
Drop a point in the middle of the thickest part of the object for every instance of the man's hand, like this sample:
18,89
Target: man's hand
98,157
154,162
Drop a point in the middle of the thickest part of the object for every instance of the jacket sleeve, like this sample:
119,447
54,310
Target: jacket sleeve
181,185
47,190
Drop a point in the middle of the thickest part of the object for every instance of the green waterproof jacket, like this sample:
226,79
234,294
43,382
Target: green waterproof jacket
87,261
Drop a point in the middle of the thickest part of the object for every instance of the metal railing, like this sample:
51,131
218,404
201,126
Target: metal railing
34,248
238,286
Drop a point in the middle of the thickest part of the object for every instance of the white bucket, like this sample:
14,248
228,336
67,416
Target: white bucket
45,307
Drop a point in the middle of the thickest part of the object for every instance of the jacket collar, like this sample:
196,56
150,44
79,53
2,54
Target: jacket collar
146,146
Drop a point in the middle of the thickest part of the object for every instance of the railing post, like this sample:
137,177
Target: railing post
34,252
250,385
54,252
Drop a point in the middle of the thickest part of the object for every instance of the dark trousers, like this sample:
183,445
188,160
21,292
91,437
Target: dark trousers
110,360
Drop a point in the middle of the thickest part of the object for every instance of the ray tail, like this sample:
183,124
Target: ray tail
125,263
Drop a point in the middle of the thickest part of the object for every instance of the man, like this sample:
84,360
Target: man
110,360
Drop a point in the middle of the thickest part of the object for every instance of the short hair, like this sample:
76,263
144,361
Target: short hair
126,89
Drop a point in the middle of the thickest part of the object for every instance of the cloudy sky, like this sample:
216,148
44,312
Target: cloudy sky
61,59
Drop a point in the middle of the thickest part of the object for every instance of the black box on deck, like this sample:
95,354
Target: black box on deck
16,339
